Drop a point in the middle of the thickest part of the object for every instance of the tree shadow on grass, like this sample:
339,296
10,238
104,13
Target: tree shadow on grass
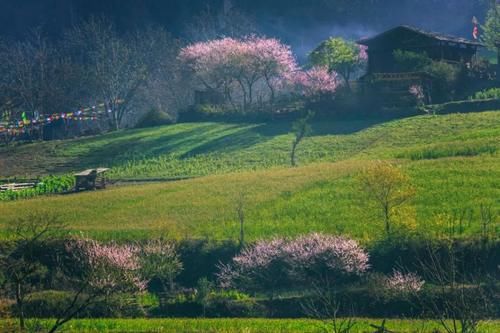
206,138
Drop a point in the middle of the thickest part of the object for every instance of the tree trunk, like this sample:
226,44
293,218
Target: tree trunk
20,307
242,234
292,155
387,220
498,63
271,88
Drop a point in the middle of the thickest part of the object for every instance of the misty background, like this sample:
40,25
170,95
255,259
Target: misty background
300,23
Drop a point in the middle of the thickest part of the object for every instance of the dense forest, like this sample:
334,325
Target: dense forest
294,21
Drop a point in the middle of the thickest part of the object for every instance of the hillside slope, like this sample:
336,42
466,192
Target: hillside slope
319,197
452,160
199,149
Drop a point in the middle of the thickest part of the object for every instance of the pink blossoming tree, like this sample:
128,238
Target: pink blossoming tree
309,258
324,256
100,271
341,56
261,265
316,81
402,283
239,67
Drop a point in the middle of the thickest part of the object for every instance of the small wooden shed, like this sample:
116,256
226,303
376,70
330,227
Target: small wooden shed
90,179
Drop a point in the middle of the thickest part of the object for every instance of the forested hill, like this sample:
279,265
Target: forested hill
289,20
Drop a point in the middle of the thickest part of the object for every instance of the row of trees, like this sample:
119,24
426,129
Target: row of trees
89,270
129,73
254,70
90,65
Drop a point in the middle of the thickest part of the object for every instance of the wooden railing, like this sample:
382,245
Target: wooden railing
16,186
399,76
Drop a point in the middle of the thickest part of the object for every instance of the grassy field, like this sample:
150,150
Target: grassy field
199,149
244,326
452,160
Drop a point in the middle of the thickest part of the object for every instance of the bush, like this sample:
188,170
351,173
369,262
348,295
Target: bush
444,80
233,304
154,117
208,112
407,61
47,185
201,257
219,304
52,303
493,93
444,76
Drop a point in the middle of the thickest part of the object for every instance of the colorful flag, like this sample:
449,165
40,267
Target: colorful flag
475,30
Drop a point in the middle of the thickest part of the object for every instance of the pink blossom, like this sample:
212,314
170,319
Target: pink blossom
363,53
404,283
239,65
417,91
316,81
261,254
270,261
257,265
108,265
337,253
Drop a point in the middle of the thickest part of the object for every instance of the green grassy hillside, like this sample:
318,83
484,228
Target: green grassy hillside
452,160
212,148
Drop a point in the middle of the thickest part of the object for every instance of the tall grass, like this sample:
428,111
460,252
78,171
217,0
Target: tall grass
322,197
239,325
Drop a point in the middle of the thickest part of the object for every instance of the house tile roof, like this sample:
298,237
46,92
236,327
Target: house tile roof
434,35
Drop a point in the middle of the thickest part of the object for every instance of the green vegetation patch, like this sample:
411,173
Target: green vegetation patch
200,149
239,325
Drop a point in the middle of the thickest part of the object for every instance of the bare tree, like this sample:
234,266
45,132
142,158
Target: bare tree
240,212
334,310
30,69
166,88
461,295
301,129
226,21
115,65
22,262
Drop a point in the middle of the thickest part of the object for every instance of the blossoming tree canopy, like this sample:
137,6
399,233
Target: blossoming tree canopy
108,267
228,64
304,258
316,81
341,56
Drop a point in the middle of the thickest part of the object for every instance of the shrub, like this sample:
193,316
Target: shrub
269,265
407,61
200,259
493,93
444,80
52,303
444,75
47,185
154,117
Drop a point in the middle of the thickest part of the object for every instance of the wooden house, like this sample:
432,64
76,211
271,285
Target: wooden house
391,86
437,46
